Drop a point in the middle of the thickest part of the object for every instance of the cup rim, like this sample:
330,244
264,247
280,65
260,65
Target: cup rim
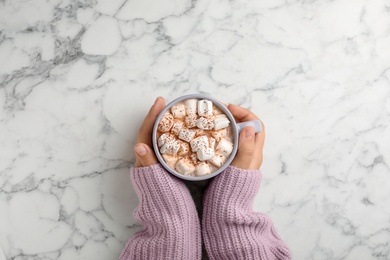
233,124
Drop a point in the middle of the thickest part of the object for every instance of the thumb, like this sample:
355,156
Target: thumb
246,149
144,155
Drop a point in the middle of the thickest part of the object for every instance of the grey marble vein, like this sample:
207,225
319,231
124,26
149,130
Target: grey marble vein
78,77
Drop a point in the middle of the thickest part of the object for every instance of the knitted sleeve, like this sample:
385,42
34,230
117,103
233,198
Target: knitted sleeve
171,228
231,230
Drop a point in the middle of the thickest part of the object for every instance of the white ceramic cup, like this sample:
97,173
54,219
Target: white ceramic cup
236,128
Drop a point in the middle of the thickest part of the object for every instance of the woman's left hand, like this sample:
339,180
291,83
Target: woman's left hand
144,153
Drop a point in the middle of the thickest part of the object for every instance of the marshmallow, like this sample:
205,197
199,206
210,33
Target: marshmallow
205,108
184,149
161,140
204,123
213,168
199,142
177,126
202,168
221,121
190,120
218,159
229,134
170,147
186,134
193,158
191,106
168,144
178,110
216,111
211,142
166,137
204,154
165,123
171,160
224,147
185,166
219,134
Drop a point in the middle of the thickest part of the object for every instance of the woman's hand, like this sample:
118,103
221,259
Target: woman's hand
250,145
144,153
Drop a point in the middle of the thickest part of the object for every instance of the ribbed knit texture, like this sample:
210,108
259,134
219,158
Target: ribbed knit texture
168,215
230,228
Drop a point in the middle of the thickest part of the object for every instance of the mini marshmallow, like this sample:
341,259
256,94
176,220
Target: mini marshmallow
229,134
161,140
191,106
213,168
204,154
184,149
171,160
205,108
224,147
202,168
219,134
168,144
177,126
165,123
193,158
185,166
216,110
170,147
190,120
204,123
199,142
166,137
186,134
218,159
211,142
178,110
221,121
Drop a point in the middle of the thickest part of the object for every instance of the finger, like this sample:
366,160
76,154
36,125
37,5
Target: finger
144,155
241,114
145,131
246,149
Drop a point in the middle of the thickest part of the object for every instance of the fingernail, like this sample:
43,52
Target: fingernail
250,133
156,100
140,150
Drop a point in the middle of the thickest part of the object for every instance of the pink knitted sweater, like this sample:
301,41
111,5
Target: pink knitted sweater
230,229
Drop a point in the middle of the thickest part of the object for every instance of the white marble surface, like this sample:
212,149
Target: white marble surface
76,79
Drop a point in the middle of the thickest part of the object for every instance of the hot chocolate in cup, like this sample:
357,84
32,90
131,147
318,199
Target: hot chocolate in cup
195,137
